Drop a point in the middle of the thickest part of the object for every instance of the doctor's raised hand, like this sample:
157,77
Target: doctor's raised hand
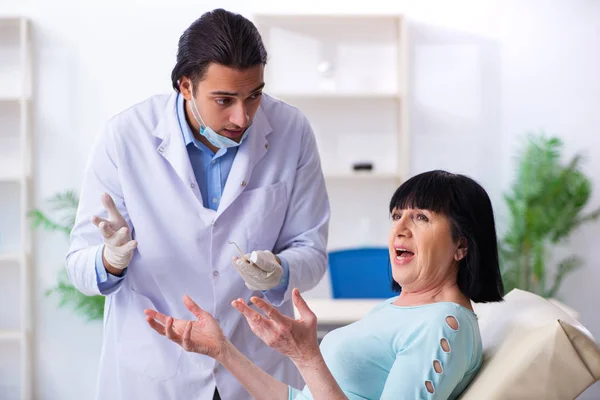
118,243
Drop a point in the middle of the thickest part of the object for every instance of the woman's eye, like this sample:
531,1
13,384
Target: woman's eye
422,217
396,216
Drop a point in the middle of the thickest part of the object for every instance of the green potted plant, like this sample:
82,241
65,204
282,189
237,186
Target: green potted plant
545,203
64,208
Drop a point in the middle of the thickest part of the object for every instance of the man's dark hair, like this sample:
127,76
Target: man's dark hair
220,37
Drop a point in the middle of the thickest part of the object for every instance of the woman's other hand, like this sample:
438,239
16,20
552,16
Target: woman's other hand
203,336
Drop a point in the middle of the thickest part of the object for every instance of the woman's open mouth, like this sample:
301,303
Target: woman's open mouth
403,255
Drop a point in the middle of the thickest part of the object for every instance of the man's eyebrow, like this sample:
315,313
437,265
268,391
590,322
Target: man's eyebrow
233,94
262,85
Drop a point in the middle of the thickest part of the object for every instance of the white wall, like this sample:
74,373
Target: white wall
484,73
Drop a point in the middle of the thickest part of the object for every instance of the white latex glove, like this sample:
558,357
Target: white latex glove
263,272
118,246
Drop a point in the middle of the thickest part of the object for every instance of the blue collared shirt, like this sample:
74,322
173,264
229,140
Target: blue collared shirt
211,171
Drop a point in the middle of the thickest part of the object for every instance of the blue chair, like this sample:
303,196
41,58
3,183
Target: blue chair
361,273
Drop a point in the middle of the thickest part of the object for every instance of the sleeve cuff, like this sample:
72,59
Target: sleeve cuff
276,294
107,282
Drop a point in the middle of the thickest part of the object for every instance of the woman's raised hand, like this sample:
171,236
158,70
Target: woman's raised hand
297,339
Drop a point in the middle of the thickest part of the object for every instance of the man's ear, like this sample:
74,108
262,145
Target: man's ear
185,87
461,250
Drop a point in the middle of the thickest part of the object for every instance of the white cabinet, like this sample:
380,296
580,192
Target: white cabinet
15,195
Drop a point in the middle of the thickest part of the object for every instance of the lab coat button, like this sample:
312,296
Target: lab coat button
215,273
161,149
192,185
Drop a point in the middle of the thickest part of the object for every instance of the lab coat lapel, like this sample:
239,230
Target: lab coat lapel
251,151
172,147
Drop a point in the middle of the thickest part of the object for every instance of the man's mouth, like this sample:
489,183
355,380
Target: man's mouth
234,132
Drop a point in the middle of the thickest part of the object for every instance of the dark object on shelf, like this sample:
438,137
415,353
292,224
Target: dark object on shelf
362,166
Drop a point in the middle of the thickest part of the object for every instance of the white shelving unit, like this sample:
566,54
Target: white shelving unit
335,66
15,195
348,74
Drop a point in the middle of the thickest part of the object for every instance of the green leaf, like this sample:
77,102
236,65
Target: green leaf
539,271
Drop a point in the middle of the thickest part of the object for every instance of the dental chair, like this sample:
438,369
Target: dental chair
533,349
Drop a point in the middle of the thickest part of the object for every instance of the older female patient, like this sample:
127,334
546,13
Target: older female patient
423,344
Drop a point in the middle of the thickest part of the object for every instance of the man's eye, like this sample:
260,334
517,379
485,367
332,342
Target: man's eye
222,101
256,96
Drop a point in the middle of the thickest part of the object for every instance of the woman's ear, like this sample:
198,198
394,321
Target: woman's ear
461,250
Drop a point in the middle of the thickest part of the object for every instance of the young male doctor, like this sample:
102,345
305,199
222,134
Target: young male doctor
169,184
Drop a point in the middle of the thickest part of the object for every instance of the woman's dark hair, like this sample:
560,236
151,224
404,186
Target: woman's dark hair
469,209
220,37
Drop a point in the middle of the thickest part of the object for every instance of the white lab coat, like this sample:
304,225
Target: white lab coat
274,199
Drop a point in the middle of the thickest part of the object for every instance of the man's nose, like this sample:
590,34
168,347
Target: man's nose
240,116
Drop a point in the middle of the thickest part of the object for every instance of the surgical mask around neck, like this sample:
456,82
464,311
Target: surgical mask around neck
219,141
